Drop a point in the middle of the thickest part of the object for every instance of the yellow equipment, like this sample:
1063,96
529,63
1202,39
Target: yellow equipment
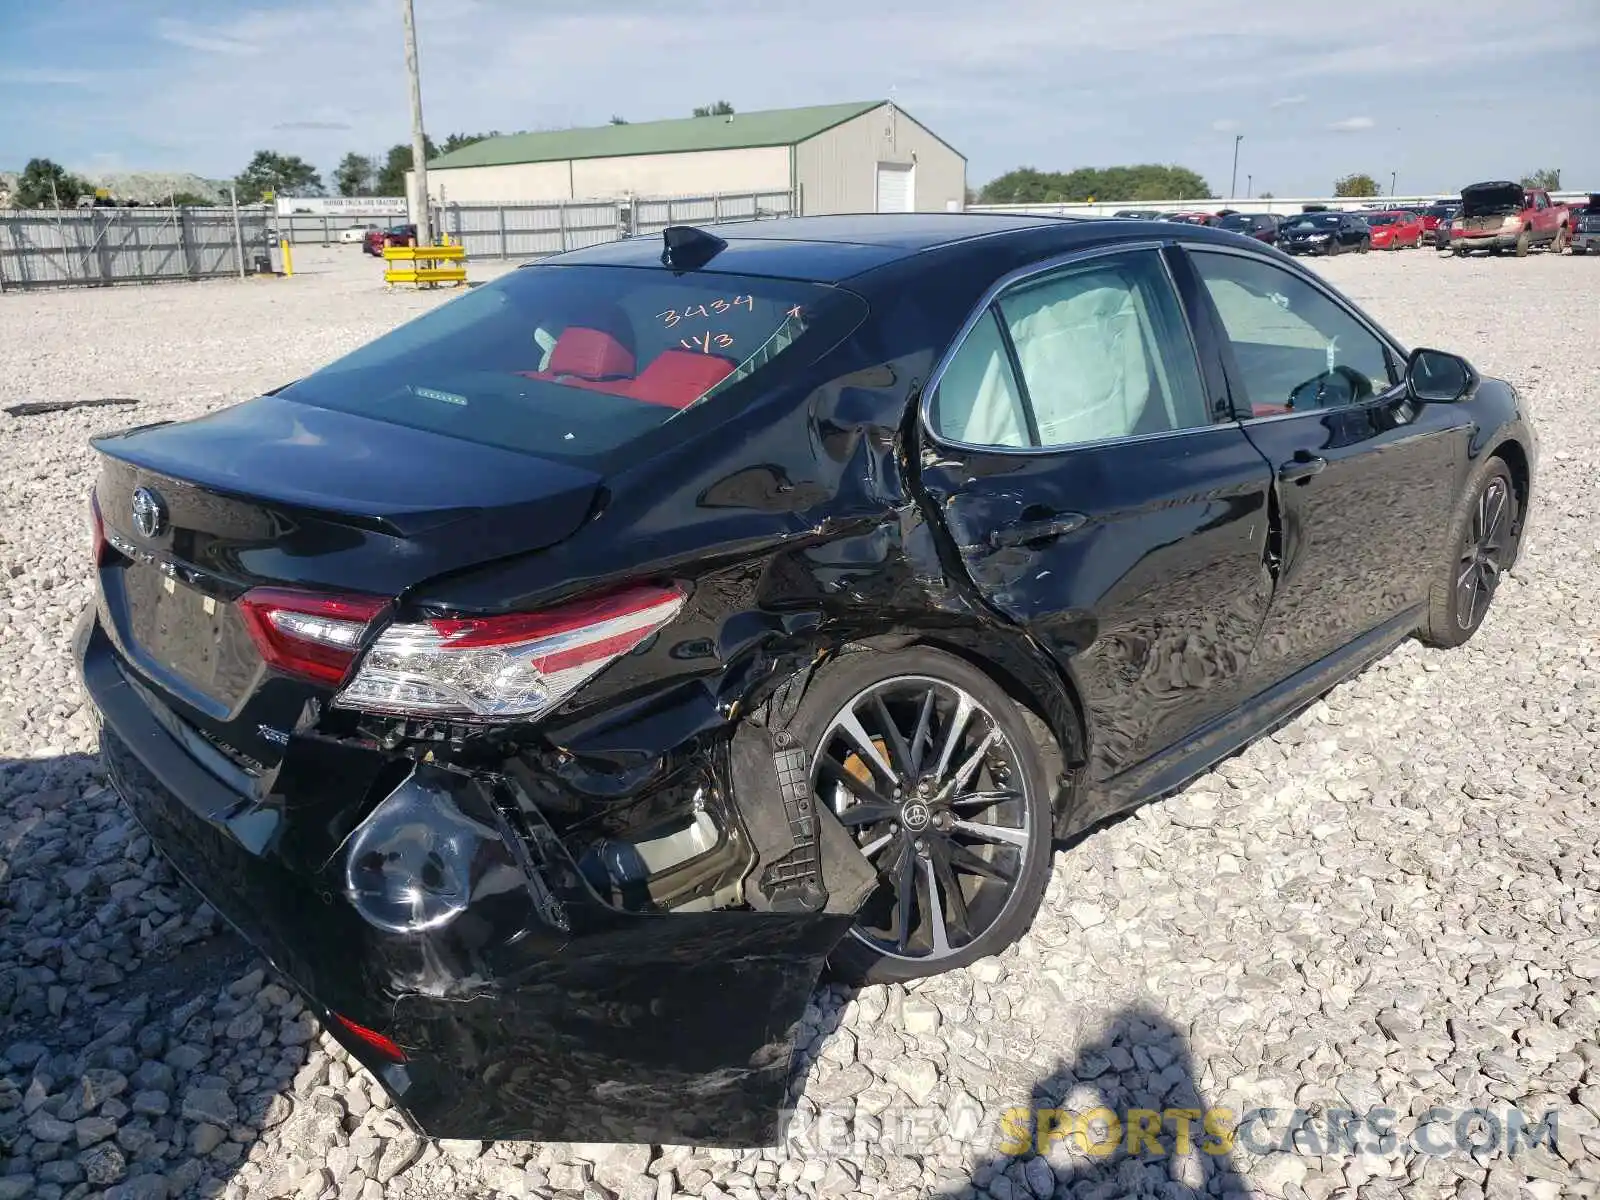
406,265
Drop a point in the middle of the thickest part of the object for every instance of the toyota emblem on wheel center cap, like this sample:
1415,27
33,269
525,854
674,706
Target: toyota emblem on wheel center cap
149,514
915,815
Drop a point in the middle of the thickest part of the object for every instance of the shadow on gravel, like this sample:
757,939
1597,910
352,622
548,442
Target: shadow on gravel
1143,1063
142,1050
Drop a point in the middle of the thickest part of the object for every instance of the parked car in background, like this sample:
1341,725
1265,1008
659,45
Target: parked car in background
552,685
1507,216
1436,220
1586,226
1261,226
355,233
1396,229
1138,214
1193,218
395,235
1324,232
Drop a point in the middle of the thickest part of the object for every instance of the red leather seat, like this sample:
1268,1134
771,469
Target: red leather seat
588,354
677,378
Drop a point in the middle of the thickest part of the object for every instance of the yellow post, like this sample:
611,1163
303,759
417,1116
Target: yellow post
288,257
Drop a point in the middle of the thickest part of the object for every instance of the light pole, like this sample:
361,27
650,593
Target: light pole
1393,175
421,217
1249,186
1233,185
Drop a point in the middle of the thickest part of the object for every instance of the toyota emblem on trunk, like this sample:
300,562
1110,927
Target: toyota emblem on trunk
149,514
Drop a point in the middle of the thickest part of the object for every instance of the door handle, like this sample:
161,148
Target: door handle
1037,531
1302,466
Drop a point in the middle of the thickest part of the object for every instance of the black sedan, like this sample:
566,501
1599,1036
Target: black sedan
1261,226
552,686
1325,233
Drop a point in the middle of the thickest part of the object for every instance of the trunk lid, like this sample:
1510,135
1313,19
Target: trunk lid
277,493
1492,199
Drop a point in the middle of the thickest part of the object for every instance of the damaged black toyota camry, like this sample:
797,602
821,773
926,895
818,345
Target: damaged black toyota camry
553,687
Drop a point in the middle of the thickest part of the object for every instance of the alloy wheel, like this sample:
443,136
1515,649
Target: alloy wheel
1482,558
922,776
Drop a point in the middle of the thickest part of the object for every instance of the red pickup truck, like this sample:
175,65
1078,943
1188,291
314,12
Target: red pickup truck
1507,216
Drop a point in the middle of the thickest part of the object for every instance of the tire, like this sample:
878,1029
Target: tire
1483,539
1524,240
1579,251
1365,247
919,831
1559,243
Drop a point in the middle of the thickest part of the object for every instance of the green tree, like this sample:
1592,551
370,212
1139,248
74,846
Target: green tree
1145,181
353,175
1548,178
392,175
1356,185
1266,196
44,184
720,109
190,200
457,140
616,120
283,174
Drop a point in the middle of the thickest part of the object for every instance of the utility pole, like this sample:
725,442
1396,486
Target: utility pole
421,217
1393,175
1249,186
1233,186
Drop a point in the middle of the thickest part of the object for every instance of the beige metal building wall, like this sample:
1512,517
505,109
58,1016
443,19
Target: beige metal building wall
687,173
690,173
838,169
509,183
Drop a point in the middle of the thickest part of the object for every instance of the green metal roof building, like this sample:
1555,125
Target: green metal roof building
870,156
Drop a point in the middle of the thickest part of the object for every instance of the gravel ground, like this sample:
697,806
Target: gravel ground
1390,903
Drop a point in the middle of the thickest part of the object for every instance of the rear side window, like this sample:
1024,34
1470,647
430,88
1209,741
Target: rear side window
585,364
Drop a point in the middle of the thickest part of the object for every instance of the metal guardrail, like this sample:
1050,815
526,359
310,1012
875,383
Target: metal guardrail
99,246
430,276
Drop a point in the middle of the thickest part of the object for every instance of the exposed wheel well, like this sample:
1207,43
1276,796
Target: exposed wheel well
1515,456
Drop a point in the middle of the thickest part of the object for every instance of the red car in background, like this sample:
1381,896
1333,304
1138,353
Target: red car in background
1194,218
395,235
1395,229
1436,220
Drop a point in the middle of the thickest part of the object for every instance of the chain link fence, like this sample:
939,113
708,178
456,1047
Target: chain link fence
97,246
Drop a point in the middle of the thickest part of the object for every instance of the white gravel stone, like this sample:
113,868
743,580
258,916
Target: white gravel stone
1393,900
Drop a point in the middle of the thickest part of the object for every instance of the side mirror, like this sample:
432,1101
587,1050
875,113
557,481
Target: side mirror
1438,376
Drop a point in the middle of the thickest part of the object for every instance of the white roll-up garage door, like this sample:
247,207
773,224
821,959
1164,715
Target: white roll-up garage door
896,187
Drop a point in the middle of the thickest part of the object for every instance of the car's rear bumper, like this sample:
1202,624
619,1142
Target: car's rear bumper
1586,241
540,1011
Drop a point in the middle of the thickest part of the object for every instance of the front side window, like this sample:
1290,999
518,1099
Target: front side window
1296,349
1092,352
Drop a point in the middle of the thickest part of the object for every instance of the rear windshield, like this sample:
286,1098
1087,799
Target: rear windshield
583,363
1315,221
1237,221
1383,219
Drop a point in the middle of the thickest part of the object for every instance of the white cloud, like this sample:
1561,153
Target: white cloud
207,41
1286,101
1226,125
1351,124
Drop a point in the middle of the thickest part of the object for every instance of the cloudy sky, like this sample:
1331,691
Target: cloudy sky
1442,94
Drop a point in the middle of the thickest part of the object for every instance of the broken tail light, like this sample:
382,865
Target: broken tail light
97,531
517,665
306,635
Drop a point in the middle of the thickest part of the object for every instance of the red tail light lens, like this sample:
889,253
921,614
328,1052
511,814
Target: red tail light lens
519,665
306,635
97,531
385,1046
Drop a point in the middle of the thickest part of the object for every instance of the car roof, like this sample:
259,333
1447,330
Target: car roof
832,248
